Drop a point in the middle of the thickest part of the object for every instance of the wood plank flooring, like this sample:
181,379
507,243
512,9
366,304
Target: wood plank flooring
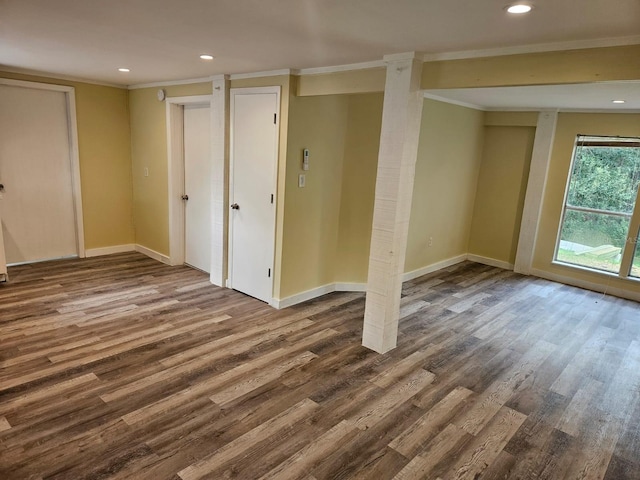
120,367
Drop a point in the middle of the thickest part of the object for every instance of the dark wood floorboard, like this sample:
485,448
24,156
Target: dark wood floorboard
120,367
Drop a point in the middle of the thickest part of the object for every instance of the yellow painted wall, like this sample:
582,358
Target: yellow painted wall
545,68
105,160
149,149
311,214
568,127
358,186
502,185
445,183
353,81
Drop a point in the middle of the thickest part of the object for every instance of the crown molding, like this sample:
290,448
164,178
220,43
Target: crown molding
268,73
171,83
454,102
54,76
342,68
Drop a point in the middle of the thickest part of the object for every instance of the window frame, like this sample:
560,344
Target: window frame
633,233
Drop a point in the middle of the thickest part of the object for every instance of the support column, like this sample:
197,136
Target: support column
220,178
540,158
401,117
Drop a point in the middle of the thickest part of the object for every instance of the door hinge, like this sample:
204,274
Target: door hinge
275,115
272,198
269,273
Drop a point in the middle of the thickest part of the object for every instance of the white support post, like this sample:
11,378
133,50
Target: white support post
220,178
540,158
401,117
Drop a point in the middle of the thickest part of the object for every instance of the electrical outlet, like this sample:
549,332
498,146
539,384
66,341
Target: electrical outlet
431,241
301,180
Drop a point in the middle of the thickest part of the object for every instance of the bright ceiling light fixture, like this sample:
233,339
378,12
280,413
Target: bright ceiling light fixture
206,56
618,101
124,70
519,8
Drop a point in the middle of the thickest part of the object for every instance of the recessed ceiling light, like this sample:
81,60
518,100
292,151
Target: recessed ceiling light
618,101
206,57
124,70
519,8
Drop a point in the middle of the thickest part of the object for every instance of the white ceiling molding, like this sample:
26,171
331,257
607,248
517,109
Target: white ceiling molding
342,68
268,73
68,78
171,83
452,101
535,48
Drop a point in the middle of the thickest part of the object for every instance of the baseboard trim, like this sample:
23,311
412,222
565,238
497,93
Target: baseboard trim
350,287
433,267
492,262
98,252
595,287
317,292
153,254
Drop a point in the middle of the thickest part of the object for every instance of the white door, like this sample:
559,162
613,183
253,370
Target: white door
197,186
37,207
254,149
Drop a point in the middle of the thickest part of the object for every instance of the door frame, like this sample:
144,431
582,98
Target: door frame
74,155
175,154
274,177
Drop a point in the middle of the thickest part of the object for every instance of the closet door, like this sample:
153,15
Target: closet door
36,204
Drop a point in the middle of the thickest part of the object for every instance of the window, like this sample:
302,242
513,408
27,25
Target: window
599,225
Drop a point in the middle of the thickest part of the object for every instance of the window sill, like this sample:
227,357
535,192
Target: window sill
604,273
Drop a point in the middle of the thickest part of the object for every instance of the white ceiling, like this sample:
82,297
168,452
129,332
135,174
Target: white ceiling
160,40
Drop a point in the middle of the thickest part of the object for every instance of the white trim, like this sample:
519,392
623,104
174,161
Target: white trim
342,68
303,296
76,188
219,178
350,287
596,287
433,267
492,262
268,73
189,100
560,110
401,57
169,83
152,254
459,103
175,167
55,76
534,48
317,292
74,152
536,185
98,252
252,91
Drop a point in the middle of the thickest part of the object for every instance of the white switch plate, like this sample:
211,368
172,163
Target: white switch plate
146,171
301,180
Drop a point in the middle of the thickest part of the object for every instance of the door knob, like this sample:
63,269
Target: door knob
235,206
185,197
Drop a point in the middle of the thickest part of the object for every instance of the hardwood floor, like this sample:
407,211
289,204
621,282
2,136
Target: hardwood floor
120,367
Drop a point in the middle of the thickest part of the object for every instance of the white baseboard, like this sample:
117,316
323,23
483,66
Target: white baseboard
317,292
153,254
98,252
350,287
490,261
358,287
433,267
596,287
